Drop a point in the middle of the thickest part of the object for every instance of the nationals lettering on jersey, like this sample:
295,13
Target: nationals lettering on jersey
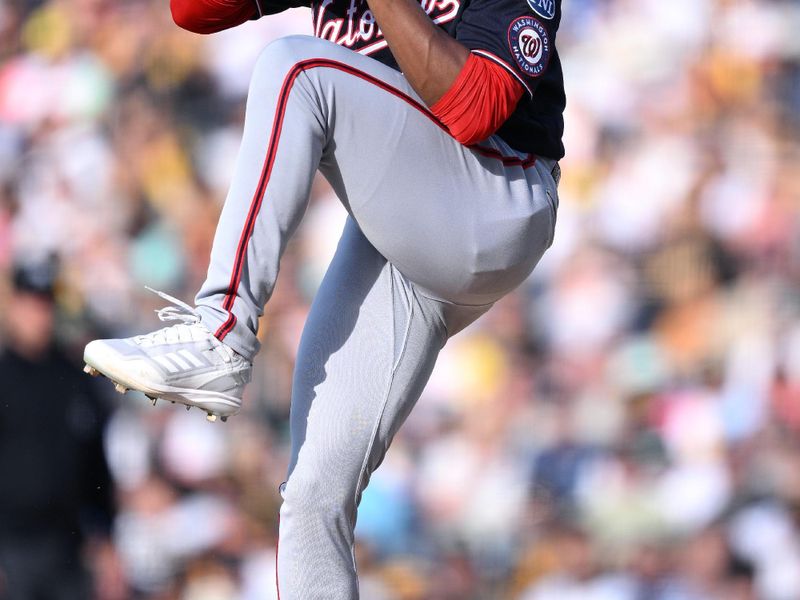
352,24
519,35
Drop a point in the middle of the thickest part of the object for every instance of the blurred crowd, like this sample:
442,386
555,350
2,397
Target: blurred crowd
625,426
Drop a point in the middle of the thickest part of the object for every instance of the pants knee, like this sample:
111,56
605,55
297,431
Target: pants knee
317,498
284,53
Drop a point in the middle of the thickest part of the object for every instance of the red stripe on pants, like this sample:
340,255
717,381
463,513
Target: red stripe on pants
272,150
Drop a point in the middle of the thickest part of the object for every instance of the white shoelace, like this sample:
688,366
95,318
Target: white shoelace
188,330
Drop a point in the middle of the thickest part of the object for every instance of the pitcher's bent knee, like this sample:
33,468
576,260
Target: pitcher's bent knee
284,53
314,498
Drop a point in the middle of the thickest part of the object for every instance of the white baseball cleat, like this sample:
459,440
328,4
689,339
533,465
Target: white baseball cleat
182,363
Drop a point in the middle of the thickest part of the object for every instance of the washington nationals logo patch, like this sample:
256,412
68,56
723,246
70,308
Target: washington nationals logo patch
530,45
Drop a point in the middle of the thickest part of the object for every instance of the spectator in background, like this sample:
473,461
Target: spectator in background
55,489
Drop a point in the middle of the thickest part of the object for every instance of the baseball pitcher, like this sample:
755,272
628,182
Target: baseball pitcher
438,124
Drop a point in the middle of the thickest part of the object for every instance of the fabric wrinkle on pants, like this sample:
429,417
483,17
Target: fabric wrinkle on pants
436,234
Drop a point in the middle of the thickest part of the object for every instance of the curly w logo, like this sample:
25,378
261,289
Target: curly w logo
530,45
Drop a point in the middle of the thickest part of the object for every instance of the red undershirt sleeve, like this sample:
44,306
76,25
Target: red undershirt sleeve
480,100
211,16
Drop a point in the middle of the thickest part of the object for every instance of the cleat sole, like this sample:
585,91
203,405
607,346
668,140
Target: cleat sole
214,404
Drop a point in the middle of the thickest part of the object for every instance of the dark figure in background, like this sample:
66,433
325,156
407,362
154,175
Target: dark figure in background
55,489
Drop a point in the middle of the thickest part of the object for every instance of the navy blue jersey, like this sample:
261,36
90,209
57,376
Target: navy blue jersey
520,35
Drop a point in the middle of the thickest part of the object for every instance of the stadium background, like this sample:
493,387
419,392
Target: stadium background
624,426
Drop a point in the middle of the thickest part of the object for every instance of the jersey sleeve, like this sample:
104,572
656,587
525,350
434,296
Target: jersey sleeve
517,34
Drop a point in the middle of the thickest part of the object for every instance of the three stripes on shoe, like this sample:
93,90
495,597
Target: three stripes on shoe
174,362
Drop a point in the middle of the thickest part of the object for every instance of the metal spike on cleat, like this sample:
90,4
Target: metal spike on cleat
153,400
188,407
91,371
211,417
224,419
120,388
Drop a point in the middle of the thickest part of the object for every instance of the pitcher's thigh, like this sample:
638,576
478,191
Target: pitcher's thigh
367,350
464,226
459,221
366,353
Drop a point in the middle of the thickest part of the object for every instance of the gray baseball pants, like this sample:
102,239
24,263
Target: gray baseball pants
437,232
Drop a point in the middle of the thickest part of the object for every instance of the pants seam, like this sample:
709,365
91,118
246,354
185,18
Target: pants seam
389,386
431,296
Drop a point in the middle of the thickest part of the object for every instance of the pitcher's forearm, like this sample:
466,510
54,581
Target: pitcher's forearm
429,58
